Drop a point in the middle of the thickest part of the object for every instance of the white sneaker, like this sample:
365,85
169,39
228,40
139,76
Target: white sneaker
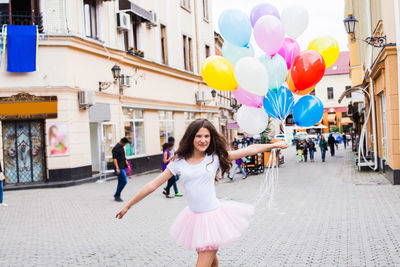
4,204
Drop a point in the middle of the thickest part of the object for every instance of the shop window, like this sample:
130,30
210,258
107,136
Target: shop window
189,117
166,122
134,131
89,9
164,53
330,92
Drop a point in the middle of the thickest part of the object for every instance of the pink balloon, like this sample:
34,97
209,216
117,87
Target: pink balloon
289,51
269,34
248,99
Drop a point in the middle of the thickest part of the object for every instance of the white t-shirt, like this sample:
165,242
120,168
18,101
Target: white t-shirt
198,181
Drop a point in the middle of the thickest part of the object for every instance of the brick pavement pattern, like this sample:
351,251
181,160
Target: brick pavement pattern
327,214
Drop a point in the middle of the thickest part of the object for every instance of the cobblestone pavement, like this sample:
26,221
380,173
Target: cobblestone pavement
327,214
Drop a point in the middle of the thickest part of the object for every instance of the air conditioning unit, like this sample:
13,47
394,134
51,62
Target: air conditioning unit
125,80
123,21
86,99
154,21
200,96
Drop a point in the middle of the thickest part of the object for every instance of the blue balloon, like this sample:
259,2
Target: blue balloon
308,111
278,103
233,52
235,27
276,68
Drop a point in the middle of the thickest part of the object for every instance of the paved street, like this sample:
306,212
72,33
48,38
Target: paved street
327,215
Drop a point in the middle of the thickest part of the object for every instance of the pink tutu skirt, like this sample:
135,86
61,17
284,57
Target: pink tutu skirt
213,229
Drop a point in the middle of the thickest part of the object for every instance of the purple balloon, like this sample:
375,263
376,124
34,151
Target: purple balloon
261,10
247,98
269,34
289,51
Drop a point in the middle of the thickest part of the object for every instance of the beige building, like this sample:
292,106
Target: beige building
105,69
374,60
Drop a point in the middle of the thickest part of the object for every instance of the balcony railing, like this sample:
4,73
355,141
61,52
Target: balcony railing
22,18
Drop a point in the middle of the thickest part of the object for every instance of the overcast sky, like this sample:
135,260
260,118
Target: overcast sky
326,17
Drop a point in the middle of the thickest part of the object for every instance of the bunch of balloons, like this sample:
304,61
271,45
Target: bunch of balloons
266,84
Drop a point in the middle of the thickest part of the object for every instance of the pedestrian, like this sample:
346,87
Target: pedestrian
238,164
167,158
120,166
324,147
305,150
2,180
311,149
299,149
207,223
171,140
235,143
344,138
248,141
331,143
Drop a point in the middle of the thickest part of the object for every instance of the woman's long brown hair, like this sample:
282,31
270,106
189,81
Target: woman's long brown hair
217,144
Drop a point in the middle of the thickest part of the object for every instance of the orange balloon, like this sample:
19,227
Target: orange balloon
293,89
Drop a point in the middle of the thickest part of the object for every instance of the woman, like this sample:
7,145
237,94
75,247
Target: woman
305,150
299,149
167,158
207,223
311,148
2,179
324,147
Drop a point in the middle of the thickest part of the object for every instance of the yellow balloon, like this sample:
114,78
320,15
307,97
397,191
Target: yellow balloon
218,73
328,47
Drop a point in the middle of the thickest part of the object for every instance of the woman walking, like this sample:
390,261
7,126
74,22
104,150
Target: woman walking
305,150
2,179
324,147
299,149
311,148
238,164
167,158
207,223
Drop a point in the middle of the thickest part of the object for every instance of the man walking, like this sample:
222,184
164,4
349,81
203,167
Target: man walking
120,165
344,138
331,143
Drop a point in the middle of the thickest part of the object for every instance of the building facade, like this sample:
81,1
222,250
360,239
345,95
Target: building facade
105,69
374,72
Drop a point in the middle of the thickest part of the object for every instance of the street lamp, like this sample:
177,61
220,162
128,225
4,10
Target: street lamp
350,25
116,72
213,93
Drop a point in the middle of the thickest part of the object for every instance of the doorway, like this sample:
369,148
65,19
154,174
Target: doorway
24,151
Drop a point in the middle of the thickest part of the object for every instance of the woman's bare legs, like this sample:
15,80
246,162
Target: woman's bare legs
207,258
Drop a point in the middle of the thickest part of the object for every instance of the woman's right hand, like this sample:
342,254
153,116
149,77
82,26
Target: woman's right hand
121,214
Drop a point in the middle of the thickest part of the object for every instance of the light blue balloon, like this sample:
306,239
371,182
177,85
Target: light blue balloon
277,70
308,111
233,53
235,26
278,103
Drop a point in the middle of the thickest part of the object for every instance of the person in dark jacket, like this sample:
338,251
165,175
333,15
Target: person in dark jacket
311,148
305,150
331,143
324,147
120,166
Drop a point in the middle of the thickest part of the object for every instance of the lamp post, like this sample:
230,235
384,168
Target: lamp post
116,71
350,25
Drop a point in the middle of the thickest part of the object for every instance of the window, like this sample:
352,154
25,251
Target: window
189,117
207,51
21,12
348,95
187,53
90,18
134,131
205,9
312,92
131,37
330,92
166,120
164,54
185,4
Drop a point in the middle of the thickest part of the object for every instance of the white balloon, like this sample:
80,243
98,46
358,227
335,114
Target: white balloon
251,75
252,120
294,20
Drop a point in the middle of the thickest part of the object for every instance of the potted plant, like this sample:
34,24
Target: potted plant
135,52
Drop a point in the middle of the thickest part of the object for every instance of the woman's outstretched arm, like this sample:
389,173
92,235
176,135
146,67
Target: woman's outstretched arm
254,149
146,190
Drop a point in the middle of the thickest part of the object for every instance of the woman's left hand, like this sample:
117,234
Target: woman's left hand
281,144
121,214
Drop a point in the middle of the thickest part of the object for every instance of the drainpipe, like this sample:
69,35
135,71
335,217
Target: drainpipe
372,96
397,19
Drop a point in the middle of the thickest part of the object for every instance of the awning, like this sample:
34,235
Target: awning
139,11
331,117
346,120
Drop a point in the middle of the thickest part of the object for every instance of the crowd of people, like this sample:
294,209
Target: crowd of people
309,147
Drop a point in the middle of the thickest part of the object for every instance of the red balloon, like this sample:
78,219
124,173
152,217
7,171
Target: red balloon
307,70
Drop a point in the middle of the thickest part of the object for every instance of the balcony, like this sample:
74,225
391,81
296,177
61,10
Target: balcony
22,18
